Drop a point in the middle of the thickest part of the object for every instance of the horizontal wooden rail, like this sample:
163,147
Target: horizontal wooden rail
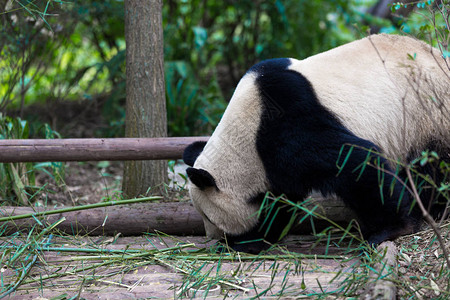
40,150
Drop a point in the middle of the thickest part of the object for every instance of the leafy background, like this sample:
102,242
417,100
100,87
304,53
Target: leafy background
63,63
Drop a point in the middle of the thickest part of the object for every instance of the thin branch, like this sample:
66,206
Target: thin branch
428,217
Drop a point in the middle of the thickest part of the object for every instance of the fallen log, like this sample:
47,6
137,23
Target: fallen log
41,150
171,218
175,218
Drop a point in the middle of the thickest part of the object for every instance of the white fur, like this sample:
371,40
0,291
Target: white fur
230,157
380,94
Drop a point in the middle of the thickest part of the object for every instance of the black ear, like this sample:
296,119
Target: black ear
201,178
192,152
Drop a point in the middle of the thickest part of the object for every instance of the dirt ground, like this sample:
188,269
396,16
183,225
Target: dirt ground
83,183
92,182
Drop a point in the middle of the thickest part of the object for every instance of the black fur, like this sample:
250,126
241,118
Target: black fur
300,145
201,178
192,151
432,199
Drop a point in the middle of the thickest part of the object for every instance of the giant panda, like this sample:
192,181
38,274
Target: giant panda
291,124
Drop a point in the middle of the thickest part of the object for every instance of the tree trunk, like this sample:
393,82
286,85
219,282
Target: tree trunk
146,104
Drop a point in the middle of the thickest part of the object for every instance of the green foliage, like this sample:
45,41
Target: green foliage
190,108
54,51
29,47
441,171
210,44
15,176
429,21
18,180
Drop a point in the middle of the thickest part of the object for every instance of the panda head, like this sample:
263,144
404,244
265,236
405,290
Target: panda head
226,206
227,177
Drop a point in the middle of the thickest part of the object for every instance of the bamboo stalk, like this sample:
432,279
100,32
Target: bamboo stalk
76,208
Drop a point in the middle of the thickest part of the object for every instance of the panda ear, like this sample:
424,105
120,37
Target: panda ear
201,178
192,152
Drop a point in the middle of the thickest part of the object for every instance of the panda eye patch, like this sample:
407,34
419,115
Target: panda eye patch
201,178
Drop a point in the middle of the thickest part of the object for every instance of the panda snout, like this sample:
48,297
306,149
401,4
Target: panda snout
212,231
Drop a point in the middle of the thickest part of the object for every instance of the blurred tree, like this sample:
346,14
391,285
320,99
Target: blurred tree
145,106
382,9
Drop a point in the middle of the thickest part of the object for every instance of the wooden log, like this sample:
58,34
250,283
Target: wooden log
40,150
175,218
178,218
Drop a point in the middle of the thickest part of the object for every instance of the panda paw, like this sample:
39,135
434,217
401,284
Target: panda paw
375,239
391,233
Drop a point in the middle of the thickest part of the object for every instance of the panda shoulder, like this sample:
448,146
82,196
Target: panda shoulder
400,46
